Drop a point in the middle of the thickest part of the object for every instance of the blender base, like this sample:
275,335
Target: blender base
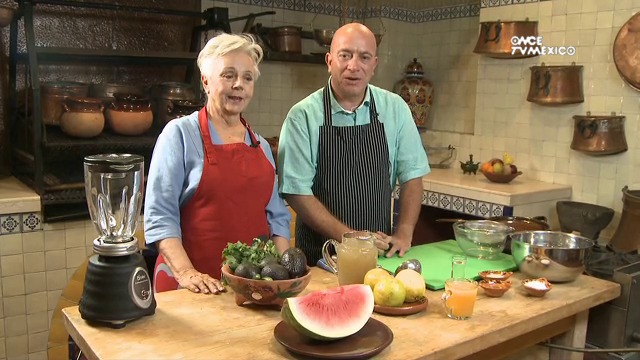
117,290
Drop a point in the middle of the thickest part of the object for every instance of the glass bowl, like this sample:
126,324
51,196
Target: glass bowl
483,239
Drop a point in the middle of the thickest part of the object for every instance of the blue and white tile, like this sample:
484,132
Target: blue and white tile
483,209
497,210
470,207
31,222
432,198
10,224
457,204
425,198
444,201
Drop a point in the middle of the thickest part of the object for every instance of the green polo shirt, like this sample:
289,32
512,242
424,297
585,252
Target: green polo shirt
298,145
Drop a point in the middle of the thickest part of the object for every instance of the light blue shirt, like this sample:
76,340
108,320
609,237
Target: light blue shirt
174,175
299,137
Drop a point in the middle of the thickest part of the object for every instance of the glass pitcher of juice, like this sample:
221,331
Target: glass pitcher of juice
356,255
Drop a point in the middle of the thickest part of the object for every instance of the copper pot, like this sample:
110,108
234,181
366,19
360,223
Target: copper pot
495,38
286,39
626,50
556,85
162,95
599,135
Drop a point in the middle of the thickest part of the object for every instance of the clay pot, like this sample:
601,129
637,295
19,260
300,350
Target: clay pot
82,117
163,94
53,95
6,15
129,114
179,108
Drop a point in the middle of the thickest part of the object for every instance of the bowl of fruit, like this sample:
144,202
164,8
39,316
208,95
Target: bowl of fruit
258,274
500,170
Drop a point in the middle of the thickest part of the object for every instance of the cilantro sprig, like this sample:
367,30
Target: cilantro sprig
237,253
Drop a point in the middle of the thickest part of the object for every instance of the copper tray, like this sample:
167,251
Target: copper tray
369,341
626,51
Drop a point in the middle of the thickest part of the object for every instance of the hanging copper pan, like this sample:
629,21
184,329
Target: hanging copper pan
626,51
495,38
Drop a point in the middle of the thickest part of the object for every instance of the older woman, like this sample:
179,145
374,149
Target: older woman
212,179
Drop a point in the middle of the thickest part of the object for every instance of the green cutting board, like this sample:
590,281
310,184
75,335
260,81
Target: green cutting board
436,262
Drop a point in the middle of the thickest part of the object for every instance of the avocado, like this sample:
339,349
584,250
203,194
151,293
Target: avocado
247,270
269,259
275,271
294,260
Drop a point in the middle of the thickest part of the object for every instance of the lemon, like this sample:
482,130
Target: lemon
374,275
413,283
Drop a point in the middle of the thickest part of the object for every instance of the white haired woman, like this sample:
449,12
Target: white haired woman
212,179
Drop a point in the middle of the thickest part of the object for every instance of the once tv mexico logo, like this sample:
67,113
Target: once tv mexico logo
532,45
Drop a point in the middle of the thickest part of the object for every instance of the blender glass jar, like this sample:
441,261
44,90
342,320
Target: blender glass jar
114,185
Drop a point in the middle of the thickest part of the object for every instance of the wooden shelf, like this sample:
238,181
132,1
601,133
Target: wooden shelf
109,56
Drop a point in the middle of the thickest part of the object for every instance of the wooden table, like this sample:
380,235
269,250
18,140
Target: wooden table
195,326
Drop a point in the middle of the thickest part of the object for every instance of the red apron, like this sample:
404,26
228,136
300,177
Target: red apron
229,204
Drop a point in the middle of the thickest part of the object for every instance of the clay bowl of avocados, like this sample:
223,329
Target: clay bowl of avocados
264,292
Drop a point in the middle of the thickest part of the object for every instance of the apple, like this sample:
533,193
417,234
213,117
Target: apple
514,169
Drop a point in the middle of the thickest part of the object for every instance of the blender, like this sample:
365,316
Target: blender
117,286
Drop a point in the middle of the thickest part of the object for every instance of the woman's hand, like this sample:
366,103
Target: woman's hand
198,282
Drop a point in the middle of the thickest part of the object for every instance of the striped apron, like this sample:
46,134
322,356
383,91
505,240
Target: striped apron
352,179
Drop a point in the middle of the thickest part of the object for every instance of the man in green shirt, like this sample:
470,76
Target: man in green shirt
342,150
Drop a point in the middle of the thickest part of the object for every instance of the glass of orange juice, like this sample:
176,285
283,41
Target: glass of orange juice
459,297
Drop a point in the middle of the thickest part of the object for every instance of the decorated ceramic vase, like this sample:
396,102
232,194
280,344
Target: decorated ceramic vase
417,92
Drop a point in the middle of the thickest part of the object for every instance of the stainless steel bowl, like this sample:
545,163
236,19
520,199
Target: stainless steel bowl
555,255
323,36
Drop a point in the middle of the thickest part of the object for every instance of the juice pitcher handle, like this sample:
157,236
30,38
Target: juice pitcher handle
326,255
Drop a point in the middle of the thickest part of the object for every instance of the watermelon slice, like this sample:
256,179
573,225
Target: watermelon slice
330,314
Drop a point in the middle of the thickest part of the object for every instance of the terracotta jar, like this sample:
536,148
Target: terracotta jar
52,96
129,114
179,108
417,92
82,117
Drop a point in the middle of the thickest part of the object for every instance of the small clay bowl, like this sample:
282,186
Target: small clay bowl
536,287
495,288
495,275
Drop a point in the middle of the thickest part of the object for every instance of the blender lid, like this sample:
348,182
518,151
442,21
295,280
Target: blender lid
113,159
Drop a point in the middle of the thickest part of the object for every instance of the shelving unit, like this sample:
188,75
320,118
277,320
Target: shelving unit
44,157
48,160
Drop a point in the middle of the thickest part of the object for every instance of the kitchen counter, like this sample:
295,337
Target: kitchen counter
195,326
16,197
518,192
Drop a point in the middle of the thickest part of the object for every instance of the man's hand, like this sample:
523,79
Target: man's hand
392,244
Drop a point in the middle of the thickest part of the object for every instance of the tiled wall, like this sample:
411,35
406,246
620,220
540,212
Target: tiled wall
35,268
452,28
539,137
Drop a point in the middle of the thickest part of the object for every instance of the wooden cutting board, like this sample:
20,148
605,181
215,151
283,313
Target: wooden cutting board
436,262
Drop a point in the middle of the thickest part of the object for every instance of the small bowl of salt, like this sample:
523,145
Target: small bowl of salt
495,275
536,287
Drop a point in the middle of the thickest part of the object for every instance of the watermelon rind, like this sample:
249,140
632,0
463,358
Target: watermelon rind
330,314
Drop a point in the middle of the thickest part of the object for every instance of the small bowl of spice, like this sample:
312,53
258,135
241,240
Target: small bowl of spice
495,288
536,287
495,275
